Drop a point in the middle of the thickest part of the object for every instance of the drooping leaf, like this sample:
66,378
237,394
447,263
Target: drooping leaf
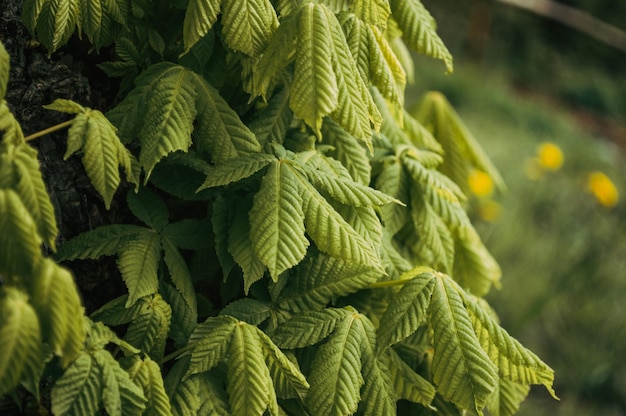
211,341
183,392
474,267
103,241
419,30
55,298
407,383
138,262
247,25
277,220
52,22
241,247
507,398
236,169
462,371
19,241
21,353
408,310
120,396
102,20
179,274
147,375
78,390
200,16
373,12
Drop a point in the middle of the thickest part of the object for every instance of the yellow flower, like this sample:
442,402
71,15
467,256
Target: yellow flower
480,183
603,189
550,156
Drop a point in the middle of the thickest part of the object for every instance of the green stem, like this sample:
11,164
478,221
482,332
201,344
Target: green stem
49,130
177,353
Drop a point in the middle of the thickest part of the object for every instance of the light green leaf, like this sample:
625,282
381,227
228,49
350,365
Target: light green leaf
19,241
148,330
249,381
247,25
515,362
168,121
236,169
149,208
347,150
65,106
286,376
23,175
407,309
79,390
200,16
120,396
102,20
211,343
115,312
103,241
419,30
308,328
474,267
184,319
394,181
507,398
138,262
462,371
147,375
270,124
4,71
21,355
219,129
241,247
331,233
373,12
55,298
248,310
407,383
99,336
179,273
314,75
321,278
183,392
9,127
277,220
336,378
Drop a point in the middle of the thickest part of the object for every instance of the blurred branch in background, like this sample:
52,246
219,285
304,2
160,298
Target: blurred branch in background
575,18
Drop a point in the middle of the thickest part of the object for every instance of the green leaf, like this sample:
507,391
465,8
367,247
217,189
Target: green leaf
407,383
319,279
213,396
115,312
308,328
148,330
120,395
241,247
79,390
248,310
179,273
221,220
249,381
236,169
19,241
55,298
21,355
211,342
462,371
419,30
247,25
515,362
184,318
52,22
21,172
103,241
149,208
373,12
65,106
147,375
270,124
277,220
10,128
183,392
138,262
507,398
168,121
394,181
474,267
336,378
200,16
4,71
314,75
189,234
407,309
347,150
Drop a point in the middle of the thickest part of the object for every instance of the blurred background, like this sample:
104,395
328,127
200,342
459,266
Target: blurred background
548,103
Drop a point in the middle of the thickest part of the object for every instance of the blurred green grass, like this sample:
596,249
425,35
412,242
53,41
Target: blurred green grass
563,254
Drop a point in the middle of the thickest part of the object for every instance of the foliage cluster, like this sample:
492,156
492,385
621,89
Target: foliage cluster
274,164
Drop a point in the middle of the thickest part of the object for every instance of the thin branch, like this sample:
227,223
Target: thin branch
574,18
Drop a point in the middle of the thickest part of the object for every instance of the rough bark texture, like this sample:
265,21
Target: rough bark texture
36,80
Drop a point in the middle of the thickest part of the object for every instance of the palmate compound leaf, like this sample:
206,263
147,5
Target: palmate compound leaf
419,30
277,220
20,172
103,152
255,364
55,298
21,353
52,22
19,241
